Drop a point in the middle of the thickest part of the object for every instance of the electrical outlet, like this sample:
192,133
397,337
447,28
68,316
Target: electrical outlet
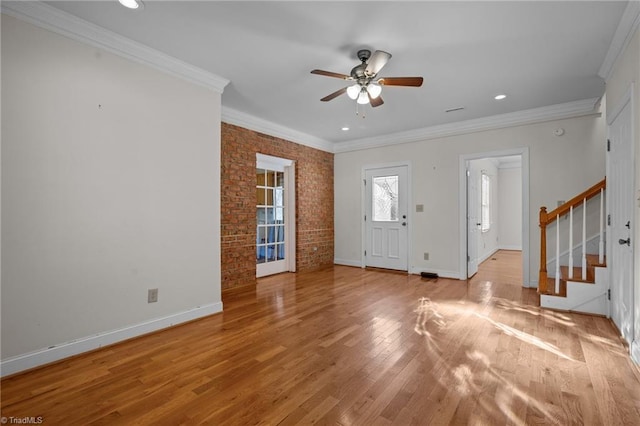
152,295
419,208
426,256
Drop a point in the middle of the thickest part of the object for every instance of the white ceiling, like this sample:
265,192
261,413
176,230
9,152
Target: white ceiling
538,53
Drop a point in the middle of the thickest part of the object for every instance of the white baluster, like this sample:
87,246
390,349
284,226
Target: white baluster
571,242
584,240
557,254
601,242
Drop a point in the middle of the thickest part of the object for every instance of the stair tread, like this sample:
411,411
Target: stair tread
551,286
594,260
577,275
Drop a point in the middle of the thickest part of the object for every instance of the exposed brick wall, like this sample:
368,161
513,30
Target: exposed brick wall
314,203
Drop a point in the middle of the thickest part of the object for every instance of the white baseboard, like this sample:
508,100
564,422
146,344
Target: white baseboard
64,350
487,256
346,262
519,248
412,270
441,273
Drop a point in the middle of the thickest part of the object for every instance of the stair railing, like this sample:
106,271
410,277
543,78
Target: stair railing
547,218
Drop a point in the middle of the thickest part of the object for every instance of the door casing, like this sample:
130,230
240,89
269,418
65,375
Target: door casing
626,324
288,166
473,217
363,231
462,208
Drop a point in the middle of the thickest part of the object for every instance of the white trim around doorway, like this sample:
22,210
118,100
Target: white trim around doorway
363,176
462,203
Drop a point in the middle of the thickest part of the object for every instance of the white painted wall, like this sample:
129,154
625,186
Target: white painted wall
110,186
435,174
625,72
510,208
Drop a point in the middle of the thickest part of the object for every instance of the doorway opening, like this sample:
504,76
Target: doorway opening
275,215
494,208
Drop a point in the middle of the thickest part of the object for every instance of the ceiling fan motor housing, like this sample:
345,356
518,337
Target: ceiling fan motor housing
364,55
358,72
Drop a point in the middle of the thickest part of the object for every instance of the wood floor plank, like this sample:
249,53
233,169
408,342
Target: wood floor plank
349,346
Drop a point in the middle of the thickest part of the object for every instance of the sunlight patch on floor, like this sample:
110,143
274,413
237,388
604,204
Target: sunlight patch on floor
525,337
550,315
427,312
472,377
506,394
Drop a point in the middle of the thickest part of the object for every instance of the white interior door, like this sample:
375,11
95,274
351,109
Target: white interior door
386,218
473,221
620,194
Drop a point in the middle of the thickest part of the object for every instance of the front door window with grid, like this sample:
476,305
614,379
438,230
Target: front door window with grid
270,216
385,199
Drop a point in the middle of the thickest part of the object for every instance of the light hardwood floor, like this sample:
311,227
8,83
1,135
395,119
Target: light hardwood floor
350,346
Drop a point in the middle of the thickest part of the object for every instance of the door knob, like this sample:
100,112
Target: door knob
623,242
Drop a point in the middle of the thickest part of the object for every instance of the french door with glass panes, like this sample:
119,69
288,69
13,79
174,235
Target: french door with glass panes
274,216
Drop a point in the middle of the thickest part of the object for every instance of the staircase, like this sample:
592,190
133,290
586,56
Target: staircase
582,288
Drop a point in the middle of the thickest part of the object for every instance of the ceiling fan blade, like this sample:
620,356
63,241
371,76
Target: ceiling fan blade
401,81
331,74
375,101
334,94
375,63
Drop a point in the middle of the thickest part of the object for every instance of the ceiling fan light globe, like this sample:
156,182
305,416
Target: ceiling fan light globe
353,91
363,98
374,90
131,4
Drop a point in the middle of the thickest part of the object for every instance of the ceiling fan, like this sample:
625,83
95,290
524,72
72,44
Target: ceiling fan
367,87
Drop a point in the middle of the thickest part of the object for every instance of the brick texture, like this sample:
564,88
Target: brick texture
314,203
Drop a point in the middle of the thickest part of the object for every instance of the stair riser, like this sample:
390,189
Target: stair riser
582,297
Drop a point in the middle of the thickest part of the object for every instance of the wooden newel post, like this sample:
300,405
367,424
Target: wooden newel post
542,279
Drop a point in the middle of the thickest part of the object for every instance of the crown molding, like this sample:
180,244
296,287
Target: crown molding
60,22
50,18
626,28
241,119
518,118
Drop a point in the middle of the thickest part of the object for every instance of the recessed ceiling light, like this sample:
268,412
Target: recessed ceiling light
132,4
499,97
345,128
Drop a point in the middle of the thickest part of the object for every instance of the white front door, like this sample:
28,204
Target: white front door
621,197
473,220
386,218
